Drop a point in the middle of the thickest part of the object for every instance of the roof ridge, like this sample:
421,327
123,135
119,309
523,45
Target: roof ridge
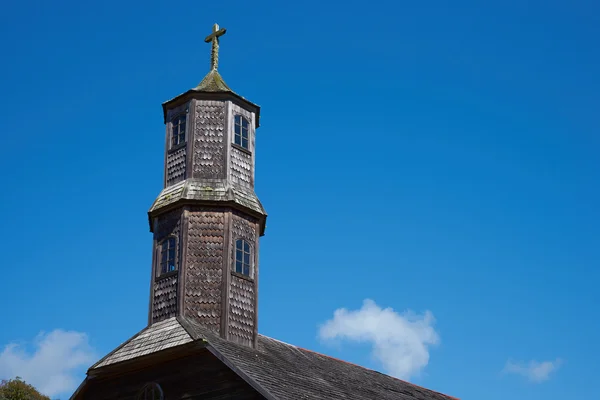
277,340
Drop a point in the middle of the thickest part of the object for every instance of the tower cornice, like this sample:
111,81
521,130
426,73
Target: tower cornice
197,94
208,194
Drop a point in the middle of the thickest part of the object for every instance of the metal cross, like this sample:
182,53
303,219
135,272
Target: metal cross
214,38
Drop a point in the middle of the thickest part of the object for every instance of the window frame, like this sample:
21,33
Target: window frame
248,130
160,262
153,386
246,248
181,136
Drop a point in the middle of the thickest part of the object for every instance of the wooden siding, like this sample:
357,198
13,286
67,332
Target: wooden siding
241,311
172,161
176,161
242,292
168,224
164,304
204,267
197,376
244,227
241,169
209,140
164,289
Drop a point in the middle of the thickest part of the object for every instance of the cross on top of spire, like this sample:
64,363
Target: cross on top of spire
214,38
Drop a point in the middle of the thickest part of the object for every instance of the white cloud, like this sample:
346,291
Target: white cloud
400,342
54,363
535,371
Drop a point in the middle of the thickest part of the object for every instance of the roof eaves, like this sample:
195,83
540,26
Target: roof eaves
117,349
79,389
217,95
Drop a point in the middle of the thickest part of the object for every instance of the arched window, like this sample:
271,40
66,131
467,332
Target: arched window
178,130
241,126
243,255
150,392
167,255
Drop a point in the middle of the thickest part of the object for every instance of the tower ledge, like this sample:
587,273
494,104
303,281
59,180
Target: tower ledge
202,192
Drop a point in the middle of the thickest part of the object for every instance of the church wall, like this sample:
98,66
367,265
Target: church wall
164,304
242,294
241,311
209,151
176,161
204,266
242,163
241,169
164,288
198,376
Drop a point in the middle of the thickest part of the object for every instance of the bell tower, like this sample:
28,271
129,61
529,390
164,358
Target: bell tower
207,220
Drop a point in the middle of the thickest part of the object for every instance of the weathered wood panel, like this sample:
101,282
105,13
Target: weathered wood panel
242,164
176,162
164,290
168,224
242,295
164,304
209,140
241,169
204,267
199,376
241,311
173,172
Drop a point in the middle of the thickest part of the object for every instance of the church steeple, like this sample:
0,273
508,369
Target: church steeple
207,220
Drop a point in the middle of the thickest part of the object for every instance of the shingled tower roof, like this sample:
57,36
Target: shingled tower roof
213,82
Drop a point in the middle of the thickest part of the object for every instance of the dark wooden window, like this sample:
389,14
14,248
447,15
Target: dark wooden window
243,255
178,130
241,125
151,392
167,255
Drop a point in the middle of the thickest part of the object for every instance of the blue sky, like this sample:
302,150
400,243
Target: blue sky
435,156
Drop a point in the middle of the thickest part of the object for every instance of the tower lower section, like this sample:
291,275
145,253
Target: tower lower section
214,251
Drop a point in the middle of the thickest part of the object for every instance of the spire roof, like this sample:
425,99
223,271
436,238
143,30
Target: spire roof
213,82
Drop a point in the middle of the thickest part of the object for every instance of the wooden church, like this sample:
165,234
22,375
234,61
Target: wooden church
202,339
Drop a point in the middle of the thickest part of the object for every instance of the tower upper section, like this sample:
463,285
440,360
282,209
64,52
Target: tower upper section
210,146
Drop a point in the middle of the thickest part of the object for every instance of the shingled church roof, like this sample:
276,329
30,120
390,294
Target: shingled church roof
277,370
